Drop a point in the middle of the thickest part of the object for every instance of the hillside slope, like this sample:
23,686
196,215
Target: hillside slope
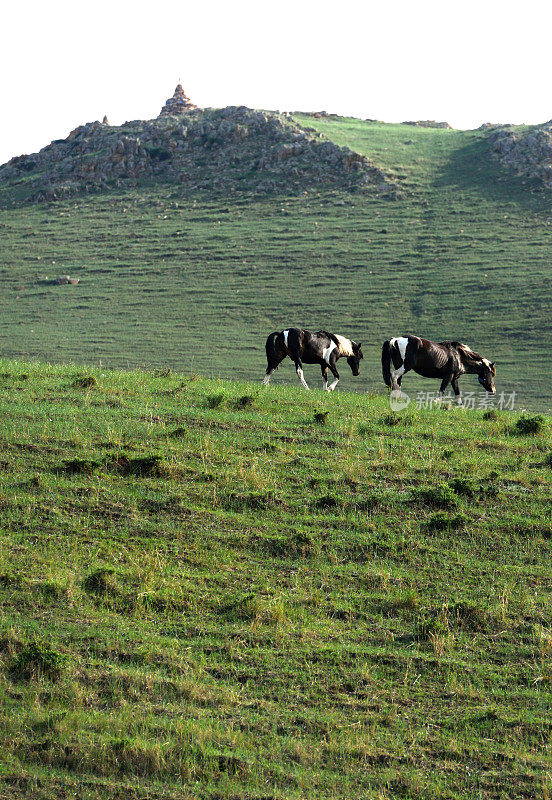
208,592
185,279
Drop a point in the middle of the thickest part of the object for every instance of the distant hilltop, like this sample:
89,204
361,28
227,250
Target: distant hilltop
428,123
420,123
233,149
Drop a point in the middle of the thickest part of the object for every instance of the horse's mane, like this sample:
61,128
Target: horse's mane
465,350
331,336
340,342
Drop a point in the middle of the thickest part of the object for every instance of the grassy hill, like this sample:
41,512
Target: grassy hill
193,280
211,591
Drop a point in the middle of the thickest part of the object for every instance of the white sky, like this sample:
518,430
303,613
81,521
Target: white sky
66,63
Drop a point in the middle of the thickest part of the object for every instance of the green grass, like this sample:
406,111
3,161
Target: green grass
197,282
207,593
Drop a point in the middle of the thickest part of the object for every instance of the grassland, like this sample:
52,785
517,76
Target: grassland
197,282
208,591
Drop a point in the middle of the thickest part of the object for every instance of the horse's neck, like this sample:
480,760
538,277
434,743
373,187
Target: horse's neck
470,363
345,346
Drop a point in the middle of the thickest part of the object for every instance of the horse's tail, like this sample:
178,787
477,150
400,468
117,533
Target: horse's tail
270,347
386,362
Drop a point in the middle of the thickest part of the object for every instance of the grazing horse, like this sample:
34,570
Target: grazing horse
445,360
304,347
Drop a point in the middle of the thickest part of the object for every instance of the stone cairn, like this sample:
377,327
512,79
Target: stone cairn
178,103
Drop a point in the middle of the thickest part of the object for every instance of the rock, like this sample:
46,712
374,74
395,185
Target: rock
65,279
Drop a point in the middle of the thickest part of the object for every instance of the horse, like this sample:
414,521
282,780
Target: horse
445,360
304,347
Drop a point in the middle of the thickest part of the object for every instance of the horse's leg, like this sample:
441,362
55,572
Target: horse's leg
407,359
324,368
410,358
333,368
454,384
396,377
444,383
299,370
294,346
275,354
272,367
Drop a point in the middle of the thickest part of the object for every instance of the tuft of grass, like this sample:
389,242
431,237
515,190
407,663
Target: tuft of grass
85,382
392,419
179,433
243,607
215,400
529,425
440,496
464,486
245,401
405,599
38,660
441,521
297,544
140,466
327,501
462,616
102,581
9,579
253,500
82,466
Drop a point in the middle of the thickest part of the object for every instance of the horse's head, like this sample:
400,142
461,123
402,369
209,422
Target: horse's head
354,360
486,375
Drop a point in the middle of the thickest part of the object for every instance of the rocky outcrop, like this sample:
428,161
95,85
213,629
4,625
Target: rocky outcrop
317,114
428,123
527,151
233,149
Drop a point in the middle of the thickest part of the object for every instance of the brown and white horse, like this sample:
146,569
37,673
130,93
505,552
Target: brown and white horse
304,347
445,360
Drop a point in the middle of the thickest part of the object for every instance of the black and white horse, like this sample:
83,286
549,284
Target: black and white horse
304,347
445,360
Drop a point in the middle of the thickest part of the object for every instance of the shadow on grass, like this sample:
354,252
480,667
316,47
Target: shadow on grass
475,167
